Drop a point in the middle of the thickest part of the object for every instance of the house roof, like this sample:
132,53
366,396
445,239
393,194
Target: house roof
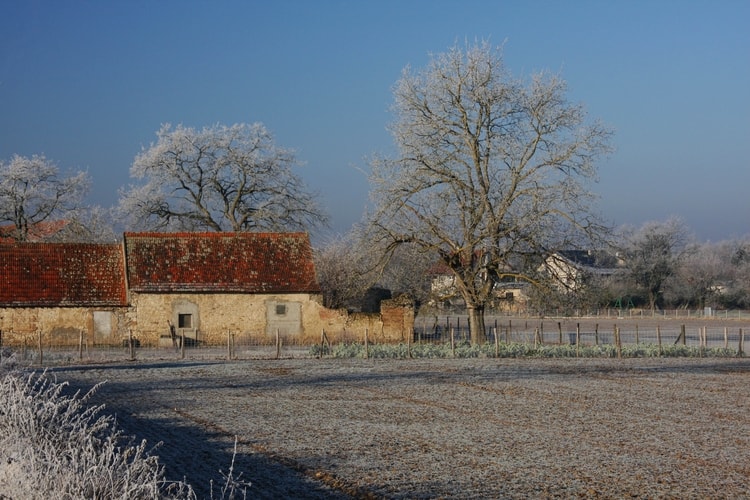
220,262
61,274
595,261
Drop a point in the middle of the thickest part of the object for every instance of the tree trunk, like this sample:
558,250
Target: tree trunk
476,325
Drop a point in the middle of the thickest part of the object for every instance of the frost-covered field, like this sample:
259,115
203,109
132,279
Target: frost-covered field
428,428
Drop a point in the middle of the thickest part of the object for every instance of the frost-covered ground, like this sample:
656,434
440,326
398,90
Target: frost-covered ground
460,428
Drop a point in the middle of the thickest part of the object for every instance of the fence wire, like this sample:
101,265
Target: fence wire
436,330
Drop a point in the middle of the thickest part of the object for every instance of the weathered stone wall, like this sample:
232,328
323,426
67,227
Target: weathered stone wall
302,319
62,326
213,315
252,316
394,323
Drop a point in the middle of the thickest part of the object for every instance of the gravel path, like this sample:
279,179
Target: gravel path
458,428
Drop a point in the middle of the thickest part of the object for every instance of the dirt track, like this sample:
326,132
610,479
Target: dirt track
455,428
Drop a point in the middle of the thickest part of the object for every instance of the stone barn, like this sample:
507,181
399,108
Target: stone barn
197,285
68,292
206,284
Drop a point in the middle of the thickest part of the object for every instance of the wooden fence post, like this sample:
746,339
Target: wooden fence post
741,346
508,332
41,353
559,331
229,345
726,338
453,343
80,345
541,333
637,335
131,352
658,338
497,344
408,345
596,334
182,344
683,332
578,339
367,345
278,344
618,342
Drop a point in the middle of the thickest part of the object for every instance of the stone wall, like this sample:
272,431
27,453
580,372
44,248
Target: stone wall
394,323
63,326
207,318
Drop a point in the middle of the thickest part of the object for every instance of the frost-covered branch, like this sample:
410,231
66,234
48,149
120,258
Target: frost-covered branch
219,178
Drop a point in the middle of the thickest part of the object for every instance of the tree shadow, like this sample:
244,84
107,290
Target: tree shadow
203,456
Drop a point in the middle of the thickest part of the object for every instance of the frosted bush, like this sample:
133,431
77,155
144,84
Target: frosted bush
56,446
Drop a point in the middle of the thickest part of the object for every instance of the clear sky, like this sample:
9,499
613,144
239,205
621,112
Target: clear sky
88,83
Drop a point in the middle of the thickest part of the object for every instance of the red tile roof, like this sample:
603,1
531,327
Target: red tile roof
220,262
61,274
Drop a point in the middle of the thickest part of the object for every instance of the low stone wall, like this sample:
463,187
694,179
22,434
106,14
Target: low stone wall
394,323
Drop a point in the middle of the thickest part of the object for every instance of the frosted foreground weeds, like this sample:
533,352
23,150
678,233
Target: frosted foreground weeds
57,446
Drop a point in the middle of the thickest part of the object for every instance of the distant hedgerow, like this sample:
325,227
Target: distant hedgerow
512,350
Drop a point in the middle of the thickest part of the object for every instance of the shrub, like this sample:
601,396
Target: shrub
55,446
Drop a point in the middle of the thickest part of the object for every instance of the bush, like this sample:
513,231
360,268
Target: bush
54,446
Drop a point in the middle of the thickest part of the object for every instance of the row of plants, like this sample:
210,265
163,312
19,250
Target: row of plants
512,350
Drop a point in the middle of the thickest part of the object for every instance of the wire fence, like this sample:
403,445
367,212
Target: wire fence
705,332
588,330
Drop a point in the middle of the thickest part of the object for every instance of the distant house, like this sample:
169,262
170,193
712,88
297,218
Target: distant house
201,285
508,296
571,269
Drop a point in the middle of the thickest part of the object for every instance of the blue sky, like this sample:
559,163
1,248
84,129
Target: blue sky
88,83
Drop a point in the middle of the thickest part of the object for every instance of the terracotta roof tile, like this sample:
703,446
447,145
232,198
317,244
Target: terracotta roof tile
61,274
220,262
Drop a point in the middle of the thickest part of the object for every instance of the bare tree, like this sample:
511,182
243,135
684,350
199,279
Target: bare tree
90,224
220,178
32,191
408,272
348,271
344,270
653,254
490,170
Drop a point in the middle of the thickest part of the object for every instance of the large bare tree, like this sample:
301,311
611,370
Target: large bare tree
491,171
33,191
219,178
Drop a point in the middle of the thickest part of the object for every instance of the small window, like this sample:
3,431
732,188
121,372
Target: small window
509,296
280,309
185,321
